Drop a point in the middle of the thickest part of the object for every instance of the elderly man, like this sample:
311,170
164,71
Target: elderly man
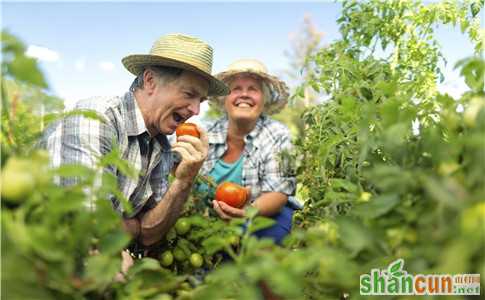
171,83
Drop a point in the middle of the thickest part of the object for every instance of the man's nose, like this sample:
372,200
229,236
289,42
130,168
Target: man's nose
194,108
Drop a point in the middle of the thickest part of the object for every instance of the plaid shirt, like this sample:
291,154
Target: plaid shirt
264,170
80,140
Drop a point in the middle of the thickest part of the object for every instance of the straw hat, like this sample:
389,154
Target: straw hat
180,51
278,89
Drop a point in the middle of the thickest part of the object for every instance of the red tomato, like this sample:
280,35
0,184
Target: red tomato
187,129
231,194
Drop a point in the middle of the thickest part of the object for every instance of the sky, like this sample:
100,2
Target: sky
80,44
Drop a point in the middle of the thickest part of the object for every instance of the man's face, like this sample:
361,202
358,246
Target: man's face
246,100
175,101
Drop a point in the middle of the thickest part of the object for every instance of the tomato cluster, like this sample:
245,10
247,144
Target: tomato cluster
184,246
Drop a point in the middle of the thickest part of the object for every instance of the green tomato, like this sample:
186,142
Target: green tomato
179,254
166,258
196,260
185,286
471,112
182,226
16,184
364,197
171,235
233,240
163,297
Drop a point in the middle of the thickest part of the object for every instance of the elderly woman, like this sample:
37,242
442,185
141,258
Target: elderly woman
245,146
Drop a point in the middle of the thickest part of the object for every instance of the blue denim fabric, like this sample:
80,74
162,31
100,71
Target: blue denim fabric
278,231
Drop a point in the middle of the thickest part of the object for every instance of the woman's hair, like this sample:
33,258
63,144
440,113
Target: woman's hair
163,74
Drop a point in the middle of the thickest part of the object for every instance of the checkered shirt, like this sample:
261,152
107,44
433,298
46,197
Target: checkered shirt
80,140
264,170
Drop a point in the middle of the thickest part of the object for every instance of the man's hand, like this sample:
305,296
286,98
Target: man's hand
193,151
156,222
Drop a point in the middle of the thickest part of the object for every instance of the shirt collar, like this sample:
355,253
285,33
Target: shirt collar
259,126
135,124
217,134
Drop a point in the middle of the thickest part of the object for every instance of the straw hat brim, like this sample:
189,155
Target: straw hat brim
137,62
279,90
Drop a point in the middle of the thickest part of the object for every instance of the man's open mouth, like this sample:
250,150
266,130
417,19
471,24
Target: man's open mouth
178,118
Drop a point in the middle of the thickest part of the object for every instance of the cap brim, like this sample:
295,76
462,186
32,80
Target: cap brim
137,62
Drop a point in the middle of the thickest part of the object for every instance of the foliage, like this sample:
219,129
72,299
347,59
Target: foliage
390,167
24,100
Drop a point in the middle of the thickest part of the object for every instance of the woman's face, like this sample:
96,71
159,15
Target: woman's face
246,100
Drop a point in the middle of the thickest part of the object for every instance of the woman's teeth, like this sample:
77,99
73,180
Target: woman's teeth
243,105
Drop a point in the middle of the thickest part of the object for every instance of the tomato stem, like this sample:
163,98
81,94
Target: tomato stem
207,180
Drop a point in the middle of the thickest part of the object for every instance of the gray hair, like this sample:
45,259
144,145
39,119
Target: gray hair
163,74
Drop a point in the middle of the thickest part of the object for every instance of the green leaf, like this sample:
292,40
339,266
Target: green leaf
347,185
353,235
114,242
145,264
45,245
25,69
437,191
377,206
101,269
113,158
74,170
215,243
259,223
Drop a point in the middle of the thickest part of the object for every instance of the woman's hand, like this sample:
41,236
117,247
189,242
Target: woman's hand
227,212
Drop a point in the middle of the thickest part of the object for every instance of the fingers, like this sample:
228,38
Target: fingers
190,149
200,144
227,212
126,261
217,208
232,211
183,152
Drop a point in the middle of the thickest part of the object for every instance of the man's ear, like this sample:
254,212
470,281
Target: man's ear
149,81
